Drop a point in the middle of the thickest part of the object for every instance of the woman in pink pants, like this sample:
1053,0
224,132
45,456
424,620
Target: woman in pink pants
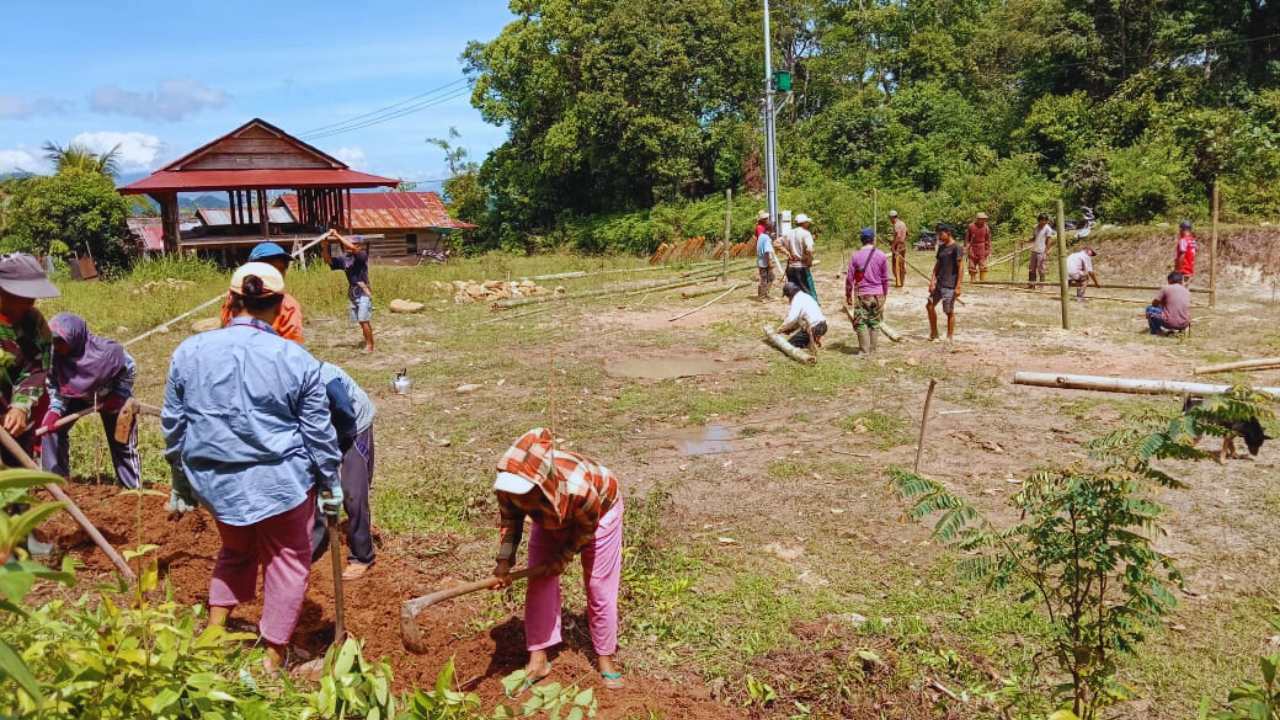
575,506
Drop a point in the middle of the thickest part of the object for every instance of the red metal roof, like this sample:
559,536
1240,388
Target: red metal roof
394,211
150,231
195,180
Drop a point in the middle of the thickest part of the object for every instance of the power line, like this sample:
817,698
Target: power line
404,107
419,107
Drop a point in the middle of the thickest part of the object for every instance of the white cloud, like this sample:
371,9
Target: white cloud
13,107
21,159
352,156
172,100
138,151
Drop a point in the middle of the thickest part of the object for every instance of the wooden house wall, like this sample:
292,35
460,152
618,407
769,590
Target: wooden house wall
395,243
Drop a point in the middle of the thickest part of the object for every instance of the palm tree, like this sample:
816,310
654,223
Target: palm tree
80,157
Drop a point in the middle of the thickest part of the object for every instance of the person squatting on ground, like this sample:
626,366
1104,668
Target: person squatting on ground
798,244
1080,271
88,371
804,317
945,282
1184,254
1171,309
977,240
867,282
575,507
764,258
355,263
1040,250
25,348
899,249
352,412
248,433
289,324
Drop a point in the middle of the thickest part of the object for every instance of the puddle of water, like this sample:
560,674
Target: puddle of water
662,368
705,440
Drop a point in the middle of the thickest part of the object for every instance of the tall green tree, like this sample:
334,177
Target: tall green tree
79,157
74,210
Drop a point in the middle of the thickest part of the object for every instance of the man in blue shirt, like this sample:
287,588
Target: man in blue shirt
764,259
355,263
248,433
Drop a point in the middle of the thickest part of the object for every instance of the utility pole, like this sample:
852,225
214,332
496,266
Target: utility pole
770,138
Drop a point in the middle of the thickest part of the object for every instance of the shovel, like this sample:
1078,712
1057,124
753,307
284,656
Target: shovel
409,609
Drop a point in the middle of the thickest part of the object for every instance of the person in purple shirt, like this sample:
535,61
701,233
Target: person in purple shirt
868,281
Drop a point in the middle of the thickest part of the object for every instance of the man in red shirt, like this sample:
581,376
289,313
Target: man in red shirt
977,240
1184,259
762,218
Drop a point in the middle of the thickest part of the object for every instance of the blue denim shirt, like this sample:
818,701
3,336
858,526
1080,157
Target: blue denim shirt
246,418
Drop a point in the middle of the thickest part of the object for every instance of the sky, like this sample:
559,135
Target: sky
162,78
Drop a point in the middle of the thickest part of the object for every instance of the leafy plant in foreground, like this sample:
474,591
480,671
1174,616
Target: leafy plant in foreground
1084,545
1252,701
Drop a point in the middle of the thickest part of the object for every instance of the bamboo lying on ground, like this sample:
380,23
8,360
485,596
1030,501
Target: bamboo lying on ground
1087,296
706,304
163,326
1123,385
699,292
584,273
517,316
1272,363
702,276
889,332
791,351
1105,286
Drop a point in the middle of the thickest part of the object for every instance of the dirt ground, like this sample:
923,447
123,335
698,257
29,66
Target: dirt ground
770,484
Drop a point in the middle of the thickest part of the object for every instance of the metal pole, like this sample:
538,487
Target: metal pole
1062,266
770,138
1213,246
728,230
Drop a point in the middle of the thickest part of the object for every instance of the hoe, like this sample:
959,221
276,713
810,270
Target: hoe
409,609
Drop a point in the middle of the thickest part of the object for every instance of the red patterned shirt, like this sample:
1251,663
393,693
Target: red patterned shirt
576,492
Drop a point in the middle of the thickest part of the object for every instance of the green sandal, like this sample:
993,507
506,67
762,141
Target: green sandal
612,680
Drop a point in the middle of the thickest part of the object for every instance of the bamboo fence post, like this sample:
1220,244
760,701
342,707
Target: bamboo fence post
728,232
875,209
1213,246
1062,267
924,422
1013,269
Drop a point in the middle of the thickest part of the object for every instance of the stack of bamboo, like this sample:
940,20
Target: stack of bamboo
677,252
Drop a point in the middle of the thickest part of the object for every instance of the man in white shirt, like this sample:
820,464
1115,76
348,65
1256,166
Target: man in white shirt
1040,250
798,244
805,317
1080,270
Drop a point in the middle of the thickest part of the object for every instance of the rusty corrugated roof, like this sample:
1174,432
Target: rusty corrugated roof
149,230
394,211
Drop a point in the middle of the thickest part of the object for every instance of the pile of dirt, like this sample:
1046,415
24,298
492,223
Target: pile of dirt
469,291
838,673
188,547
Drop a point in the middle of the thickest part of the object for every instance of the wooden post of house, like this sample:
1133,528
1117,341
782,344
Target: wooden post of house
169,221
263,215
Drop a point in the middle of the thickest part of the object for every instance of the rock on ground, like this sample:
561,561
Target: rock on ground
406,306
206,325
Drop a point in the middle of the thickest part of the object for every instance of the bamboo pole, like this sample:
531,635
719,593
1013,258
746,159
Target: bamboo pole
1271,363
70,506
1104,286
164,326
890,333
924,422
728,232
699,292
707,304
654,286
1062,267
1123,385
1213,246
1005,288
787,348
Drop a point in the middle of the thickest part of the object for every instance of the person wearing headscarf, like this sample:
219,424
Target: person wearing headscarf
575,507
248,433
88,371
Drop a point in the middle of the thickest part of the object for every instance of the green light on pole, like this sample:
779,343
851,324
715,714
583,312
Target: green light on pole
782,81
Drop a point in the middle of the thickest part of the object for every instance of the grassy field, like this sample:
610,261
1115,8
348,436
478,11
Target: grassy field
731,555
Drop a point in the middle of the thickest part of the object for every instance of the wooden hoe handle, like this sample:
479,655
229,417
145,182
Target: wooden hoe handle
409,609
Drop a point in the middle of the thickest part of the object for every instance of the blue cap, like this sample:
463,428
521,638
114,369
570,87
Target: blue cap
1185,225
267,251
868,234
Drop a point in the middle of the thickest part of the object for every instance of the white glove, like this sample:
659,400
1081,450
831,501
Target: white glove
330,500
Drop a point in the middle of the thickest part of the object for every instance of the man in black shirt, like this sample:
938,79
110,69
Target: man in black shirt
355,264
944,284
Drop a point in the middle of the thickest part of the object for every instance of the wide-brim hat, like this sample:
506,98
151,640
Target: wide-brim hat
802,219
982,216
21,275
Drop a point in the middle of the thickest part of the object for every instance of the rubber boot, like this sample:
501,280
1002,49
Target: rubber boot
864,341
875,336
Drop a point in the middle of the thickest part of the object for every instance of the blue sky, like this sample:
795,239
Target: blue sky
163,78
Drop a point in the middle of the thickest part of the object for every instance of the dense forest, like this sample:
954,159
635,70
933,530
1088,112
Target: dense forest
624,115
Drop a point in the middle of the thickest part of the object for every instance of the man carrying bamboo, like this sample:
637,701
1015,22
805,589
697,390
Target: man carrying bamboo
899,249
355,263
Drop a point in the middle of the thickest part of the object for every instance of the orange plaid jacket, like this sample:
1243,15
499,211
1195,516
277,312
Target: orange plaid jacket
576,492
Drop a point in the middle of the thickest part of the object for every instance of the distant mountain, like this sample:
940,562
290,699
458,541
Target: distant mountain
203,201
